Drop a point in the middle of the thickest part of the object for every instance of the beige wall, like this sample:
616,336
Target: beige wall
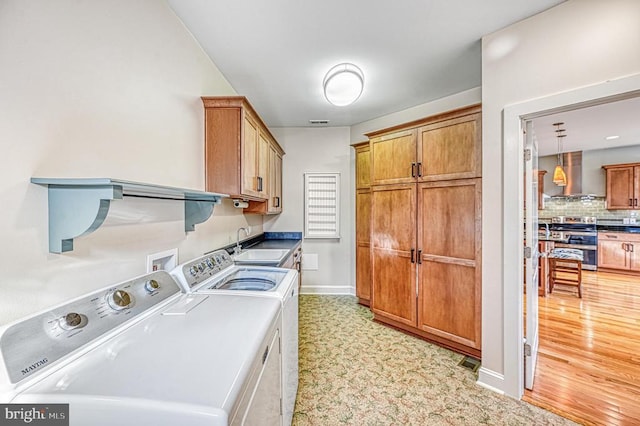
99,89
576,44
318,150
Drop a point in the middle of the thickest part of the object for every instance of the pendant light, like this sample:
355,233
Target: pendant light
559,176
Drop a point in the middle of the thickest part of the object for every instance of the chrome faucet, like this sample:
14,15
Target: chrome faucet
238,247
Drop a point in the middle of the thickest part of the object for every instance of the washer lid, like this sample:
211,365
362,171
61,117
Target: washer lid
201,358
251,279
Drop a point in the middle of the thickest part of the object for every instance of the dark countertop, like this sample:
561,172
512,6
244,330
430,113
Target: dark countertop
271,240
631,229
604,225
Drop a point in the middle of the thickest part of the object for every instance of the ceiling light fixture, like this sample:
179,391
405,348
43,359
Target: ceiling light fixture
343,84
612,137
559,176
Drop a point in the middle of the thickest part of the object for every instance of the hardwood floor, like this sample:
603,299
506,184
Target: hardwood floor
589,356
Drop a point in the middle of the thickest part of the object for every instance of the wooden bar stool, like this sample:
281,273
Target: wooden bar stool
565,268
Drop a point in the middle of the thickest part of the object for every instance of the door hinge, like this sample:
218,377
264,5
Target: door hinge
527,154
527,252
527,349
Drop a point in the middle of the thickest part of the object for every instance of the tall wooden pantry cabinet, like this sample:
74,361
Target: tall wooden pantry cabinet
363,223
425,228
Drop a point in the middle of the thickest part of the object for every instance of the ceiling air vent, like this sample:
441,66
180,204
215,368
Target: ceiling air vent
319,121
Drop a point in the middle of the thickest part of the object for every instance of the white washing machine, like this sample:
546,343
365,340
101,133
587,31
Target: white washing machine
143,353
215,273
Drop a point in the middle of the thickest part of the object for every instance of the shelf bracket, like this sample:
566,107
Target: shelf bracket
75,211
197,211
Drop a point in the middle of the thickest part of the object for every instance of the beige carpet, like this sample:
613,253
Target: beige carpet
357,372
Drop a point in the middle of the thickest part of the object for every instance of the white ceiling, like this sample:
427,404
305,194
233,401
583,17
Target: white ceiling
411,51
587,128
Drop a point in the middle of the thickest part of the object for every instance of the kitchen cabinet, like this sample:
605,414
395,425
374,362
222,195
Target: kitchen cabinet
623,186
426,231
541,174
363,223
241,155
544,248
442,147
619,251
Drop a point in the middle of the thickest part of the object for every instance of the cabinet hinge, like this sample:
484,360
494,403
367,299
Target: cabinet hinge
527,349
527,155
527,252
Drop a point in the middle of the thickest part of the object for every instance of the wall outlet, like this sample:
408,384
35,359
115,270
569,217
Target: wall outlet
164,260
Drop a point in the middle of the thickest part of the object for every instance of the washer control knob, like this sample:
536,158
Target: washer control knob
119,300
193,271
70,321
210,263
151,286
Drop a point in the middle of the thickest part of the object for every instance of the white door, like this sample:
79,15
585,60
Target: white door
531,254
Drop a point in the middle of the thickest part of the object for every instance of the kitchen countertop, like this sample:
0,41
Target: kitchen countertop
603,225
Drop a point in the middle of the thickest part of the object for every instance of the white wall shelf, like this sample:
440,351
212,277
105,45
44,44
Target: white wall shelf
79,206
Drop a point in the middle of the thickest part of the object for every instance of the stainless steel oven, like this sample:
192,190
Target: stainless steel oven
577,233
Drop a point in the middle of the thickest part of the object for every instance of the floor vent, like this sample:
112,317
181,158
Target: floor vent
470,363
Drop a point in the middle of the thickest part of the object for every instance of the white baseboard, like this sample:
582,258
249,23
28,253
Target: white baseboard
491,380
327,290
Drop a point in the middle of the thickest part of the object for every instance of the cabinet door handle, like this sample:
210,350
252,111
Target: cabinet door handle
413,252
612,236
630,202
419,169
413,169
277,201
419,257
635,202
624,246
630,247
259,183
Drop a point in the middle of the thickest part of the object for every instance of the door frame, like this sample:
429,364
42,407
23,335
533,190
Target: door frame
513,231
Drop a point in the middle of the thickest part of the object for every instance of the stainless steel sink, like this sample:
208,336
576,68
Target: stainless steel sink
261,257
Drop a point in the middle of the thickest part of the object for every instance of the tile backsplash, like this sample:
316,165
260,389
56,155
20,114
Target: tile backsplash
577,207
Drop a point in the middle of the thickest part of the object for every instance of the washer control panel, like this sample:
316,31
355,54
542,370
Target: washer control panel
32,344
202,268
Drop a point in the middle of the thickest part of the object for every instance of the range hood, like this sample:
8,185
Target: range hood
572,165
573,169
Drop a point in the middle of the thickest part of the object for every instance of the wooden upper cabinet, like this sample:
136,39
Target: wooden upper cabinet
363,165
249,159
274,204
443,147
623,186
393,158
450,149
237,151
